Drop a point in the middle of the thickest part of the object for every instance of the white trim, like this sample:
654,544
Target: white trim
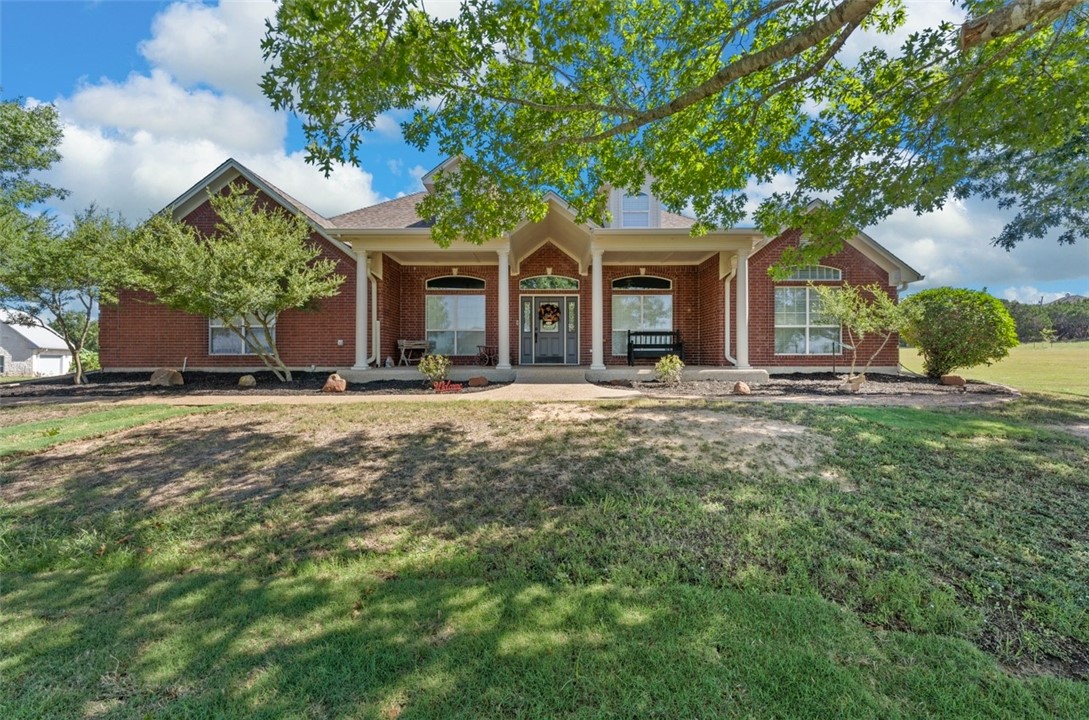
503,361
361,310
742,291
597,312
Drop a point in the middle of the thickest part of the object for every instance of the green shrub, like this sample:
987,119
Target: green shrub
89,360
957,328
668,369
435,367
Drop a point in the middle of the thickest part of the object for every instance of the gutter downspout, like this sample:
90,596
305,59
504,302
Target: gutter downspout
726,314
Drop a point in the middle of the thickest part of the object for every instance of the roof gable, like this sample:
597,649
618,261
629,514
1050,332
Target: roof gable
36,336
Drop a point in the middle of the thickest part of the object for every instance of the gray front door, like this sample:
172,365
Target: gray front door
549,330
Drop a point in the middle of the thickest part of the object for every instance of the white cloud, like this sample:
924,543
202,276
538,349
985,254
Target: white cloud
396,166
133,146
1030,294
218,45
920,15
156,104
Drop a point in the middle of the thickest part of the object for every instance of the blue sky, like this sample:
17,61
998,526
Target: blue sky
154,95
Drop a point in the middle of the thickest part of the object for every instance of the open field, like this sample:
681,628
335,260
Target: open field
1036,367
627,559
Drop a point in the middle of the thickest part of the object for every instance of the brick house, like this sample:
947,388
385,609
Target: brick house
555,292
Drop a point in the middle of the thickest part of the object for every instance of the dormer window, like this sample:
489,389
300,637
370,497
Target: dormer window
635,210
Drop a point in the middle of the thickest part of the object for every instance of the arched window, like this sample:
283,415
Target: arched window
455,282
816,272
548,282
642,282
635,210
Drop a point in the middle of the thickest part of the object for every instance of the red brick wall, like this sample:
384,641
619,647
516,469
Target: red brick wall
711,298
412,307
857,270
137,332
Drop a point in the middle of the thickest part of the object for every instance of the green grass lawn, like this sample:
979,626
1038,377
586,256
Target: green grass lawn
1058,368
15,378
648,559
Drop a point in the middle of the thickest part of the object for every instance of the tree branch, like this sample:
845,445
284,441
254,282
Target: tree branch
846,13
1011,18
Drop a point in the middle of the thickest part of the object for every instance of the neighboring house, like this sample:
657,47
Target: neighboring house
31,350
555,292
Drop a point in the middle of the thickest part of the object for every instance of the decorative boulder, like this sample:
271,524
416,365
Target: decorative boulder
742,388
247,381
166,377
955,380
478,381
335,383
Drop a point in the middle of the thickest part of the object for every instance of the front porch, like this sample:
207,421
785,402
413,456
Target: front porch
559,375
553,293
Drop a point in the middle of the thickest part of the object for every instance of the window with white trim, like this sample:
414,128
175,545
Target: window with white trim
635,210
455,323
816,272
455,282
639,312
800,327
222,340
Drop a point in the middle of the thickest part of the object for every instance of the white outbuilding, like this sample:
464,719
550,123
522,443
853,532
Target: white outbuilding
34,351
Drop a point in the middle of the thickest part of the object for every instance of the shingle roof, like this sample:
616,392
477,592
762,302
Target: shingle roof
673,220
321,220
37,336
397,213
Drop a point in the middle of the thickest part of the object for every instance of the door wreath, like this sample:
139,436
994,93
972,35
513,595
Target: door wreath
549,313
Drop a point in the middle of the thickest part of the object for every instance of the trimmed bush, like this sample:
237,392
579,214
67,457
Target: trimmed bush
957,328
668,369
435,367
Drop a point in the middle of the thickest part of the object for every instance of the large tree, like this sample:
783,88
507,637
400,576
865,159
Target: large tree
257,263
57,277
706,98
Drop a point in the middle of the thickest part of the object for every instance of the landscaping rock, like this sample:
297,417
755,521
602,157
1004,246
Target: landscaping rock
247,381
955,380
335,383
478,381
166,377
742,388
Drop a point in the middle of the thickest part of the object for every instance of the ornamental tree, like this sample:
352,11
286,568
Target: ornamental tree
862,311
58,277
257,263
957,328
705,98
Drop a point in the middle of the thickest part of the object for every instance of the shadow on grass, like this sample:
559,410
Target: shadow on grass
349,564
137,642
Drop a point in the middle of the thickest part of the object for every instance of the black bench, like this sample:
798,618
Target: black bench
654,344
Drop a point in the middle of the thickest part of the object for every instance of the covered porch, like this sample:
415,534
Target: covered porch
554,292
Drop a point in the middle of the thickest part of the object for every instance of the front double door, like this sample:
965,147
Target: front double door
549,330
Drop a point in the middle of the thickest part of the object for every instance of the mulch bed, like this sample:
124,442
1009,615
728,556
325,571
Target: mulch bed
824,384
125,384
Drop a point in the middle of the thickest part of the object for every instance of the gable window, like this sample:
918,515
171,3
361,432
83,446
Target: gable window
816,272
635,210
800,327
639,312
222,340
455,282
455,323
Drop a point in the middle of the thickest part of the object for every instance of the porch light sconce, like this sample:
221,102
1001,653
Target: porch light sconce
642,271
548,271
453,271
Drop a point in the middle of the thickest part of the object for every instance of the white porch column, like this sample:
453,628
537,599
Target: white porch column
743,310
504,310
362,294
597,316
